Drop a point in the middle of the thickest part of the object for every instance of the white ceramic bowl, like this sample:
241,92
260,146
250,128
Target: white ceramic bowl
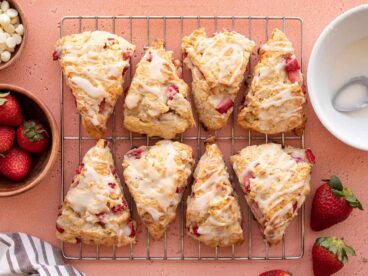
337,57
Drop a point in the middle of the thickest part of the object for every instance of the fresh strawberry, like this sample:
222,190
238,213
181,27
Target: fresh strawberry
329,255
32,137
10,112
276,272
16,164
225,105
7,135
332,204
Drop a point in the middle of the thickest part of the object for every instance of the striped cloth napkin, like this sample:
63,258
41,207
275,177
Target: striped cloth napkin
21,253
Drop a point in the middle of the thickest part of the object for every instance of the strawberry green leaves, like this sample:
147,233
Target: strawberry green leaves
337,247
340,191
3,99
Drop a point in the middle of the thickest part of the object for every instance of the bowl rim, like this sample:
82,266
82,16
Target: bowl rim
54,151
14,58
313,59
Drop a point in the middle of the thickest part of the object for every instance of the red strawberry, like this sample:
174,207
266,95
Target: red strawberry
135,152
276,272
180,190
291,64
10,112
294,76
225,105
56,55
329,255
127,54
32,137
246,181
310,156
16,164
131,225
7,135
332,204
59,229
171,91
195,231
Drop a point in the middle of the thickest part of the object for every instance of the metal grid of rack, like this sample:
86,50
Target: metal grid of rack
250,26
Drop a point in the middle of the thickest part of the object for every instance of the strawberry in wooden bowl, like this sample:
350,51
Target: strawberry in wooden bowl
29,140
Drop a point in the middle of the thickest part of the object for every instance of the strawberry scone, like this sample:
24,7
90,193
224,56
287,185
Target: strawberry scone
213,213
275,100
275,182
95,210
156,103
156,177
94,64
218,64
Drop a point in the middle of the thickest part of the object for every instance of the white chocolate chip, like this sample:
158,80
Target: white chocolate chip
3,37
4,19
5,56
11,42
18,38
12,13
5,6
19,29
9,28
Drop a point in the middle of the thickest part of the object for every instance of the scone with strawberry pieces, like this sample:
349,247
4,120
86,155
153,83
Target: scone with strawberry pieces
157,101
94,64
213,213
275,182
94,209
275,100
218,64
156,177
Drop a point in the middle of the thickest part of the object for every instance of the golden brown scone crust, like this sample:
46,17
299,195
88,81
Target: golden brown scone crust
95,210
273,102
156,103
275,182
213,214
156,177
93,64
218,64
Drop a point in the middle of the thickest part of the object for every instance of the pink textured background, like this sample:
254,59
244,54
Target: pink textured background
34,212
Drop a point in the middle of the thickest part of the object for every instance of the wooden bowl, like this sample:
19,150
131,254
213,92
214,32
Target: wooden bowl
19,49
33,108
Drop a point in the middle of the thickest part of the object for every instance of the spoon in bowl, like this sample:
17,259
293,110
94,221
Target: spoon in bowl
361,100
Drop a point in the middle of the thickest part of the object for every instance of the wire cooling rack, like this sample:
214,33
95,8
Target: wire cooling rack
176,245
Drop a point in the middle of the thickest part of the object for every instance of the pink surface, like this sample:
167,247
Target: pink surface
34,212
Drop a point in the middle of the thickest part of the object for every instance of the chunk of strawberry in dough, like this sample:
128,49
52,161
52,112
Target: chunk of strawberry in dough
225,105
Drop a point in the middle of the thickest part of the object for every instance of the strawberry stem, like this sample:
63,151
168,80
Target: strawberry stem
2,98
340,191
337,247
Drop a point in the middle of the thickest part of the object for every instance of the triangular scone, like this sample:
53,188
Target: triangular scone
94,64
218,64
95,210
275,101
156,177
275,182
213,213
156,103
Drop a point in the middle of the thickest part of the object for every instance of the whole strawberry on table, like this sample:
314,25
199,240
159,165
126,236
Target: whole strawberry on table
329,255
19,139
332,203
